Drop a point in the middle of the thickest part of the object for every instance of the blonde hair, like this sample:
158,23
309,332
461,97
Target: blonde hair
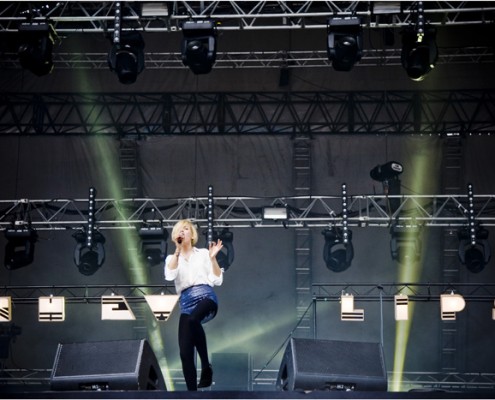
178,226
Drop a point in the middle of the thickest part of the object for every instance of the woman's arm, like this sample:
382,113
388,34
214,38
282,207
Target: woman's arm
214,248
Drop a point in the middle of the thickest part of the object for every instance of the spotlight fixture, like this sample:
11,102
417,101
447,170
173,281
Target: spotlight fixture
419,49
474,249
474,254
405,243
386,172
89,253
199,47
338,251
225,257
126,58
89,258
344,42
153,244
36,46
19,250
280,213
388,175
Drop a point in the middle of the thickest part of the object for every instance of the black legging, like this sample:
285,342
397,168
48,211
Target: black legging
191,335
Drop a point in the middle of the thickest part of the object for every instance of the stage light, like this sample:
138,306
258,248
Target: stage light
387,172
51,308
162,305
405,243
116,308
337,254
474,253
126,58
344,42
450,304
36,46
89,258
419,49
225,257
347,310
388,175
474,249
153,244
275,213
199,46
401,308
19,250
5,309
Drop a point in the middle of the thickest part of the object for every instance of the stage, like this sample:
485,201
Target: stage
212,394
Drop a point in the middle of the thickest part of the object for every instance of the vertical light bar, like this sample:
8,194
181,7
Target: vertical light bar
420,23
91,217
117,23
345,232
471,217
210,215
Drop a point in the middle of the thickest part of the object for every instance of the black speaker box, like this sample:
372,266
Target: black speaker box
108,365
310,364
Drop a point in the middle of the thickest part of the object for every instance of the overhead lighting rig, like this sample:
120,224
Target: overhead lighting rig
419,49
36,40
344,42
19,250
126,57
199,46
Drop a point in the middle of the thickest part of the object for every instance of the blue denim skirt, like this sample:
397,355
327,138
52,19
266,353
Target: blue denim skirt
190,297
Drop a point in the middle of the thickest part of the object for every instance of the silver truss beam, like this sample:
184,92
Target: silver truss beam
321,292
246,212
261,59
71,16
373,112
372,292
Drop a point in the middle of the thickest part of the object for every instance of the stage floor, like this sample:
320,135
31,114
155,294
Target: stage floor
211,394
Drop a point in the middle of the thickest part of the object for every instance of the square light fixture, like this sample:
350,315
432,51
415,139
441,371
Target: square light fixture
275,213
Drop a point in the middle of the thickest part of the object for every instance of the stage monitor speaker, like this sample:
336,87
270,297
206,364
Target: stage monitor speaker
108,365
310,364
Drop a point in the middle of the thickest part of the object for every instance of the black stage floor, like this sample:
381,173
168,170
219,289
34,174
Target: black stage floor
211,394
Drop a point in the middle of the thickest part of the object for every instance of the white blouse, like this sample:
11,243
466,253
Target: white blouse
198,270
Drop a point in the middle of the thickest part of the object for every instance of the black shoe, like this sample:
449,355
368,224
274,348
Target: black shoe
206,377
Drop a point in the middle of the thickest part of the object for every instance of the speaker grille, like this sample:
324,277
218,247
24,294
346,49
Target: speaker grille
95,359
338,357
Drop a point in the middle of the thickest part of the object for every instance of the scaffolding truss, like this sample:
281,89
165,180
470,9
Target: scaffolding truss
413,211
92,16
458,112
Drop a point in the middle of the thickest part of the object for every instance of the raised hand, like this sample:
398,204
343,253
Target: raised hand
214,248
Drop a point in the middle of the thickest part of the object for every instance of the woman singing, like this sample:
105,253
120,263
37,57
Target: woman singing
195,272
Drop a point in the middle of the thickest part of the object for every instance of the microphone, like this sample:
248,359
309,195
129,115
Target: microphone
179,240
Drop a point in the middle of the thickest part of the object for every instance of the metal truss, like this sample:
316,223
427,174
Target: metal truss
321,292
83,294
247,212
261,59
72,16
372,292
135,114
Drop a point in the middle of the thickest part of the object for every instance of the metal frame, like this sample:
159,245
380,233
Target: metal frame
261,59
246,212
446,112
85,17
